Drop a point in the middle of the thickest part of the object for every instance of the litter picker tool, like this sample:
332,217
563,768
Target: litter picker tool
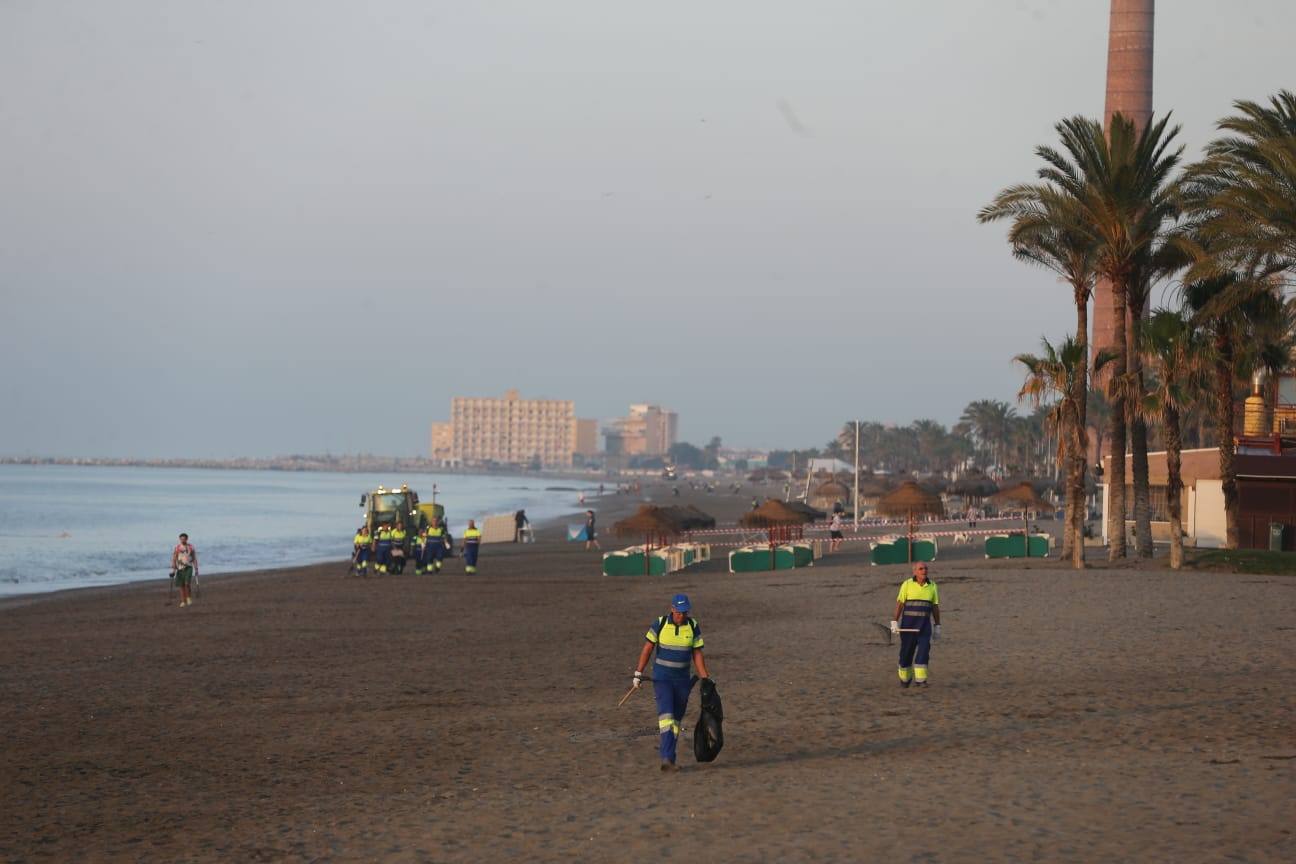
631,692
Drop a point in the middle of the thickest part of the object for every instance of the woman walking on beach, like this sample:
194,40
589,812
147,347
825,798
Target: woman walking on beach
678,640
184,568
917,622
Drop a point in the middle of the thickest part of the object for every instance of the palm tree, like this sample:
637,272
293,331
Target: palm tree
1176,355
1245,190
1047,230
1120,183
1228,306
1052,376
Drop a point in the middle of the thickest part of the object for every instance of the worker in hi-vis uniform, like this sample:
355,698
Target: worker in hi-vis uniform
471,546
678,641
435,549
917,622
361,546
382,549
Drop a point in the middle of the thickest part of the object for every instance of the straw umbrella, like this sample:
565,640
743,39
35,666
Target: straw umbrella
1022,495
908,499
777,518
650,522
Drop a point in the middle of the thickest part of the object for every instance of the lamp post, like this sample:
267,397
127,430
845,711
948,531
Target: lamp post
855,509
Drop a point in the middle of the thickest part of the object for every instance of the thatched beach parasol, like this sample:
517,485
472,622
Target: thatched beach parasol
689,517
1022,495
972,486
650,522
909,499
779,519
830,492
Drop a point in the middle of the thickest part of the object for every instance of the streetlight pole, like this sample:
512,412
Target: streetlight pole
856,507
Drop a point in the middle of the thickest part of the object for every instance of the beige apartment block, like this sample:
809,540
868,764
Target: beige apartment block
442,448
513,430
586,437
648,430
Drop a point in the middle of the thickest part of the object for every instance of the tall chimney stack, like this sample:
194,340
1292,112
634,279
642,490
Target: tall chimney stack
1129,92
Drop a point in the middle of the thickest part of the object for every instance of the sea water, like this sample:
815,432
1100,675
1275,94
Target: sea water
69,526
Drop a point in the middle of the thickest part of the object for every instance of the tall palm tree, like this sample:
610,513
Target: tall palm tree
1176,354
1228,306
1050,380
1245,190
1048,230
1121,184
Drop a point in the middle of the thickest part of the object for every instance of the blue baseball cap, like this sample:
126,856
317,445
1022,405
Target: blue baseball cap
680,603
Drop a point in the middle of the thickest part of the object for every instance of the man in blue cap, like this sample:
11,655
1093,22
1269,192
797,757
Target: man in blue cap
678,640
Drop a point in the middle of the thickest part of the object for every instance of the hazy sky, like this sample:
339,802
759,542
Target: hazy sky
253,228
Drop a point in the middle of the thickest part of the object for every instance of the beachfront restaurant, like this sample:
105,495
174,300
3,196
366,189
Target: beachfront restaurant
1266,484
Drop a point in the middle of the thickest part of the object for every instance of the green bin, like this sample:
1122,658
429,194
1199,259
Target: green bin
1275,536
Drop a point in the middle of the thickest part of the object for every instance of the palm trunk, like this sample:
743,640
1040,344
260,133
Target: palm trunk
1116,480
1138,427
1174,486
1224,431
1079,459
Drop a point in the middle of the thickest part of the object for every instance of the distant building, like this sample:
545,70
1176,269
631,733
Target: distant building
442,449
648,430
510,430
586,438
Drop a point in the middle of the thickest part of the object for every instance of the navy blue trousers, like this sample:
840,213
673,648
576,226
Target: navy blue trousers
672,699
470,554
915,651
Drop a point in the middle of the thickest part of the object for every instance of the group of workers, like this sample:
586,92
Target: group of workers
386,548
677,640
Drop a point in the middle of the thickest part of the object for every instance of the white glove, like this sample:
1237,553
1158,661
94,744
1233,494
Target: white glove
895,627
936,632
638,679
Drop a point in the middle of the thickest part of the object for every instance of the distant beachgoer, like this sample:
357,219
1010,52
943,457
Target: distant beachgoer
835,532
591,533
184,568
471,546
600,489
582,498
519,522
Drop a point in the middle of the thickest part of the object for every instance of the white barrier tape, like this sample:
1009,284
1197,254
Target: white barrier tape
918,535
846,527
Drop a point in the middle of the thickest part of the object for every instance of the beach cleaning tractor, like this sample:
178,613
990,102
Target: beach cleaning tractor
385,506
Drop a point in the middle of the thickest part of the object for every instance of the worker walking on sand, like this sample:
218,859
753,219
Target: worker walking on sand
363,549
435,549
382,549
678,640
917,622
420,551
184,568
471,545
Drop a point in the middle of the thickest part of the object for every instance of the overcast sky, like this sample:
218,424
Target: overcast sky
255,228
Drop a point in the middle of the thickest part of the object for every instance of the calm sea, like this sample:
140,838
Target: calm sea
73,526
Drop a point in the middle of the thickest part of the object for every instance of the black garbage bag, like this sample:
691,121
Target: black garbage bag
708,734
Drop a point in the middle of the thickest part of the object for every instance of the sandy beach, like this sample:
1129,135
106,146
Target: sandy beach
302,715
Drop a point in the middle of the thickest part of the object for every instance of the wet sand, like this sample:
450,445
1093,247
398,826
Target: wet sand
302,715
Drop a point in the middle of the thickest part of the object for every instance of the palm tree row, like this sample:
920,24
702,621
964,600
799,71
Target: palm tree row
1108,206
